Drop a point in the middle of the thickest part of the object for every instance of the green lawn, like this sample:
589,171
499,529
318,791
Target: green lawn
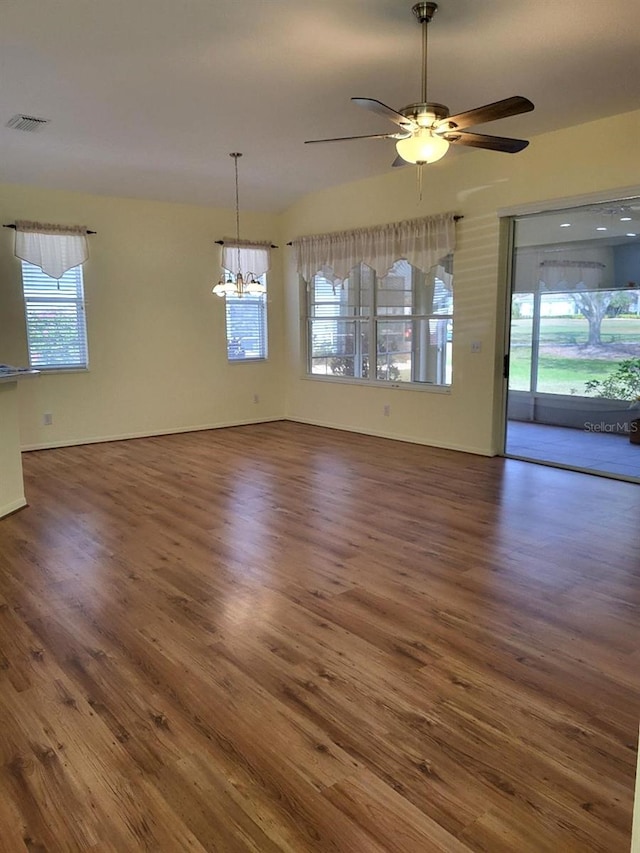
562,330
556,375
567,371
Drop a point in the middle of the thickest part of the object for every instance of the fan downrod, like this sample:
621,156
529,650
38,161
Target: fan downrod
425,11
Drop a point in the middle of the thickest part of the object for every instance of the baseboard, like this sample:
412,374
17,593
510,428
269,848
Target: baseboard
477,451
13,506
75,442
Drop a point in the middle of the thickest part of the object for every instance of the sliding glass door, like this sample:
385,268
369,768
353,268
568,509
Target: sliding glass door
574,349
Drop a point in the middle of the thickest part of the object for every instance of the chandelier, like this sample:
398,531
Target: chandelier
243,284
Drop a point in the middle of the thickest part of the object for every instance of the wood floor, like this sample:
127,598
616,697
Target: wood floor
285,638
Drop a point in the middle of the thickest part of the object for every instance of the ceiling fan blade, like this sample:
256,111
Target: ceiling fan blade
481,140
383,110
367,136
491,112
399,162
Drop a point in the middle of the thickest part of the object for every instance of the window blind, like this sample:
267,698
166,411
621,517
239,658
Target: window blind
54,310
246,327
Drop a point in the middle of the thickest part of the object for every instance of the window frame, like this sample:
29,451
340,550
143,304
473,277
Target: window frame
370,315
30,276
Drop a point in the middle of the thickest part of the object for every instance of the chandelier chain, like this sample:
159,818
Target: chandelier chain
235,156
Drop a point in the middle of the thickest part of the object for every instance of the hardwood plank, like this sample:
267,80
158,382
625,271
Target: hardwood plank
390,818
281,637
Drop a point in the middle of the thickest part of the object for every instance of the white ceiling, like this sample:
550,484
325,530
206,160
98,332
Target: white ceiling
611,223
146,98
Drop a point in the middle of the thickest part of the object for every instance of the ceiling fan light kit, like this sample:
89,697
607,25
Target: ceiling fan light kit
426,130
422,147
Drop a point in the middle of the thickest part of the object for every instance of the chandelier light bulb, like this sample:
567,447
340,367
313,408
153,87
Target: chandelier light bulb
225,287
254,287
423,147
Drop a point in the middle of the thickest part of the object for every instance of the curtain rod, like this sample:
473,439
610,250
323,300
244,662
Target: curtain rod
222,243
11,225
455,219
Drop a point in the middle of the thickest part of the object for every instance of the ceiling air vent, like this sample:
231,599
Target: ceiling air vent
31,124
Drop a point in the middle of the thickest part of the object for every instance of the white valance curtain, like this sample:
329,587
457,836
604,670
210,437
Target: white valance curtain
422,242
565,268
561,274
248,258
53,248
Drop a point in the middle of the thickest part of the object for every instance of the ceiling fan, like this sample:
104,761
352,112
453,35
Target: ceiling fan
425,130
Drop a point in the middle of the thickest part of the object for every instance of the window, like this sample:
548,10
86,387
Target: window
246,320
562,342
575,306
397,328
54,310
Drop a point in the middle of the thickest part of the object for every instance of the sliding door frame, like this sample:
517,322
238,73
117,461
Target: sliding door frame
508,218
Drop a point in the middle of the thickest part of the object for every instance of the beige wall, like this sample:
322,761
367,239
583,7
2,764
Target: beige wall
601,156
156,334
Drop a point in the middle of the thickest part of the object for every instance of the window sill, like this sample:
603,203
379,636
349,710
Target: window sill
394,386
247,360
50,371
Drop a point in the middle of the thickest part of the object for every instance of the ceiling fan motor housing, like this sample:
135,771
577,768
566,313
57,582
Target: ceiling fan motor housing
425,114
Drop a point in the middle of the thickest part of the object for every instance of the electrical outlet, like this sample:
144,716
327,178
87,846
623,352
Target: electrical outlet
47,419
476,346
256,398
387,411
